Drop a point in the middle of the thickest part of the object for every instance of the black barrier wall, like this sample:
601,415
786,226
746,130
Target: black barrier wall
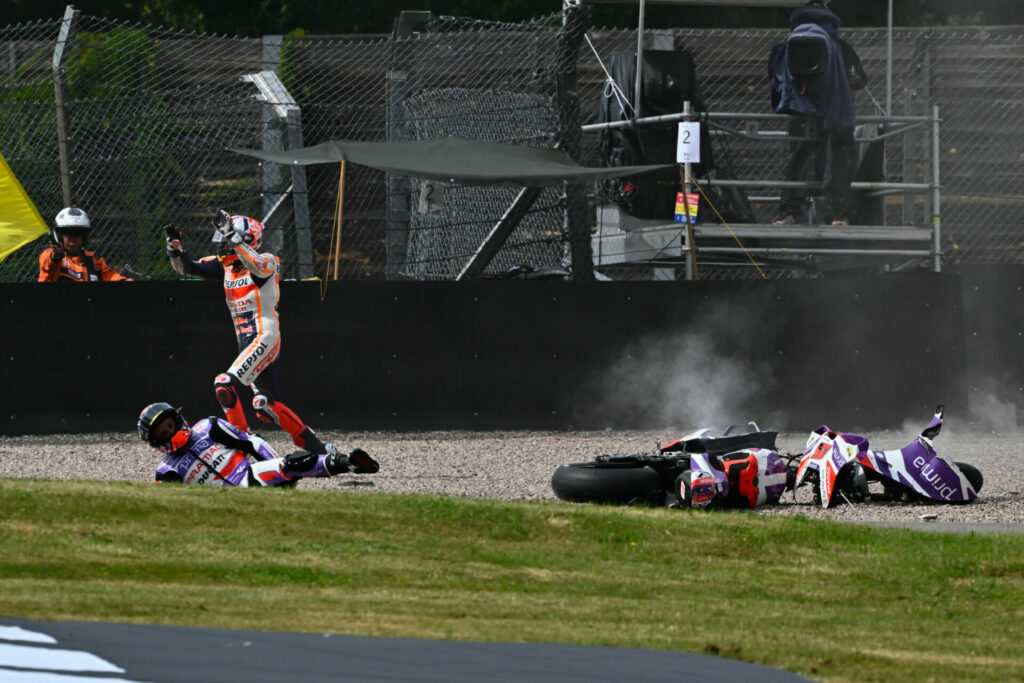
855,353
994,340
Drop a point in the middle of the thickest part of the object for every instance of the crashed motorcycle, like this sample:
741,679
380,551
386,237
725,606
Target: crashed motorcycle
841,466
736,471
699,471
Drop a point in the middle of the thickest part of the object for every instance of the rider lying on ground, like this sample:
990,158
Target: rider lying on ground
214,452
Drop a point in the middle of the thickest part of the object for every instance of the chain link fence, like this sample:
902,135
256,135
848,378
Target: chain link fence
149,113
973,76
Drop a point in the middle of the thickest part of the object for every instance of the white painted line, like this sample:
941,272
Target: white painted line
27,657
18,633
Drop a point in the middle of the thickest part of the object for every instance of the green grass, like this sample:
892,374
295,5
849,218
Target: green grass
831,601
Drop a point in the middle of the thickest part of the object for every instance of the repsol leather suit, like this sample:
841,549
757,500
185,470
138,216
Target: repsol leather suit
251,290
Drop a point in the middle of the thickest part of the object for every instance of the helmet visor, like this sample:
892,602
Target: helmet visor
73,232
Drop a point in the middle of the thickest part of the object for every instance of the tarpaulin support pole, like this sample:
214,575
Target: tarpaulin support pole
500,232
339,215
570,138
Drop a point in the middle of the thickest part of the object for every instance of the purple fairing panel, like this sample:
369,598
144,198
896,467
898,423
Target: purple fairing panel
700,462
878,462
918,467
773,475
936,477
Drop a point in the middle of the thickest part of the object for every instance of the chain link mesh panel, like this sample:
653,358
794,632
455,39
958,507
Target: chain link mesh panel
486,81
151,111
28,128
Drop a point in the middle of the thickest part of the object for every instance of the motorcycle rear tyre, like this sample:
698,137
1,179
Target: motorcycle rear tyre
605,482
973,475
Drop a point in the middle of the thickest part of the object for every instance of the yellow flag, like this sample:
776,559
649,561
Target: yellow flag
20,222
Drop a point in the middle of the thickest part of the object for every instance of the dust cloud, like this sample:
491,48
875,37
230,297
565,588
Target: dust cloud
691,378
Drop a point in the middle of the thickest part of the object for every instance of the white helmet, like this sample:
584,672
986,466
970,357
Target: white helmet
71,220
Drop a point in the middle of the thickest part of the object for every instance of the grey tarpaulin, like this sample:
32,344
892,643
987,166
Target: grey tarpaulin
454,159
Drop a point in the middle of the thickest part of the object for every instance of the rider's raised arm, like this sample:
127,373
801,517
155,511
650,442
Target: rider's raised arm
208,267
260,265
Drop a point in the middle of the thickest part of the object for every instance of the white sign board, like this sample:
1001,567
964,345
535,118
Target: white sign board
688,143
431,200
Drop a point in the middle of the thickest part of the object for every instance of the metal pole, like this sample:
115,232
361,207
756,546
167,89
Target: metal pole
61,96
691,262
639,61
743,116
339,216
920,188
398,85
936,213
272,139
888,65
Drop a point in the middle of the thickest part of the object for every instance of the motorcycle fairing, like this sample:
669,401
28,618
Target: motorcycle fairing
701,441
827,453
707,478
916,466
756,476
919,467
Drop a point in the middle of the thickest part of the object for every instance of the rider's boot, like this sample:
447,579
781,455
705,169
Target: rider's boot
357,462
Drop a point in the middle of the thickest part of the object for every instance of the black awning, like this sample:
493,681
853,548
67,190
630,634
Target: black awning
454,159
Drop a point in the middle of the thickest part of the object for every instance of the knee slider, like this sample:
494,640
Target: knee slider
224,390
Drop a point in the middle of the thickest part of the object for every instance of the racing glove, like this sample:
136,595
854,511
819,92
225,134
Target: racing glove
223,225
56,252
173,241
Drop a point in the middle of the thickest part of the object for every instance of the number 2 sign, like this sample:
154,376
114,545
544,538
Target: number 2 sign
688,143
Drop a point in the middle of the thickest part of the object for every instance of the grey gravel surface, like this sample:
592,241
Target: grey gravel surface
518,466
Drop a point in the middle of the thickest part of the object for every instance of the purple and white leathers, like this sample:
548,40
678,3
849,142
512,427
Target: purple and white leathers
844,463
216,453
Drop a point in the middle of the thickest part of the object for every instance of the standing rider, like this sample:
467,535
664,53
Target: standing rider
251,289
213,452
